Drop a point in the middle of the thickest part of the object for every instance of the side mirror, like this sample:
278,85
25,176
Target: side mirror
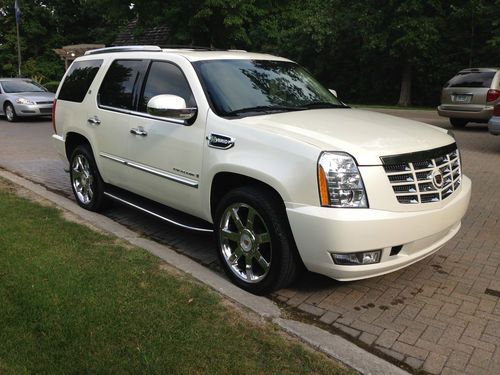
334,92
170,106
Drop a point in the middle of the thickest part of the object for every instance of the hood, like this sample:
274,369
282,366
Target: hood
35,96
365,135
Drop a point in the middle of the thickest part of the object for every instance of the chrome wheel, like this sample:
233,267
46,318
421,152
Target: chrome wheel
245,242
9,112
82,179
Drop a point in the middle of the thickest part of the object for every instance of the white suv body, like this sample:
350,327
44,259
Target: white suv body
407,194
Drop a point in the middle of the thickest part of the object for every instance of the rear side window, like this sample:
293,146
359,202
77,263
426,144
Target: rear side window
78,80
471,79
121,83
165,78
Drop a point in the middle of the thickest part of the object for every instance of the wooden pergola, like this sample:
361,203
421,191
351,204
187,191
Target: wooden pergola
69,53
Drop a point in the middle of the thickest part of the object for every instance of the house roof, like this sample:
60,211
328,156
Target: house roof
157,36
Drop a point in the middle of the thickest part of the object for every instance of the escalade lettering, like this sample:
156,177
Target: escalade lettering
186,173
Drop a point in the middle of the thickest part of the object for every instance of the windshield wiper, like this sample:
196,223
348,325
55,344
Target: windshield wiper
278,108
320,105
263,109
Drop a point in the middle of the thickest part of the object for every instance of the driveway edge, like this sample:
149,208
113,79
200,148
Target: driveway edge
339,348
332,345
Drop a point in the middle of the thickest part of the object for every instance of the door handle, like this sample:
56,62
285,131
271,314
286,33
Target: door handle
94,121
139,131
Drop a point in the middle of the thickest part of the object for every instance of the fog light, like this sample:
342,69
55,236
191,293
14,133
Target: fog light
354,259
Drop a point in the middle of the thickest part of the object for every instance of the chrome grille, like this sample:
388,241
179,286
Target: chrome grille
415,178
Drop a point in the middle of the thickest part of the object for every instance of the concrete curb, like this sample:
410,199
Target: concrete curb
339,348
332,345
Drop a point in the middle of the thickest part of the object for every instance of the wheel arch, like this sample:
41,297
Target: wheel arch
225,181
72,141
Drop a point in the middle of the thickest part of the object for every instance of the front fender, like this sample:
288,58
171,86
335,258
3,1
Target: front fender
285,164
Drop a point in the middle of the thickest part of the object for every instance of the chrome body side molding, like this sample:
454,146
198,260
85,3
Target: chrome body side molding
141,114
153,171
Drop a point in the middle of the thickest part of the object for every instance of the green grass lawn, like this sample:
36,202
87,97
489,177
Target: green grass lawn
74,301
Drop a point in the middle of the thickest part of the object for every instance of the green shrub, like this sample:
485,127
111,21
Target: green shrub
51,86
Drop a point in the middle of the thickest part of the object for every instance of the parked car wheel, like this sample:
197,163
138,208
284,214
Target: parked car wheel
254,240
10,112
458,122
87,184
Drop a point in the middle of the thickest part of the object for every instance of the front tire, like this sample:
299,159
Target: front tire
254,241
458,123
10,113
86,182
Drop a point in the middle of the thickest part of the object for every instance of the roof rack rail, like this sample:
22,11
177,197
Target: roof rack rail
194,48
124,49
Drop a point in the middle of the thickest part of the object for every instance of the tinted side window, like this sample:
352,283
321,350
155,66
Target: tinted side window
165,78
473,79
120,83
78,80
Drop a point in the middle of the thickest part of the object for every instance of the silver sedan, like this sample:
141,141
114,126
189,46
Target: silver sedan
21,97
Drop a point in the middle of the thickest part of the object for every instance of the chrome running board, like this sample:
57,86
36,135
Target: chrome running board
159,211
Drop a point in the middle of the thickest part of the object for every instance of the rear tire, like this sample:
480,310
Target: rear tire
458,122
86,182
254,242
10,112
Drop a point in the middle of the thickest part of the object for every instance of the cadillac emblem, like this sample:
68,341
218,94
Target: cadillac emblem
437,179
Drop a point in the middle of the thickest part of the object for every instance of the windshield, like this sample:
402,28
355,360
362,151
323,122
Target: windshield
21,86
246,87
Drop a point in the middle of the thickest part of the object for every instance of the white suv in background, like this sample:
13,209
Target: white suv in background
252,147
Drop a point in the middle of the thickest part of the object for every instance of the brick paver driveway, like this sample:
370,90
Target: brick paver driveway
441,315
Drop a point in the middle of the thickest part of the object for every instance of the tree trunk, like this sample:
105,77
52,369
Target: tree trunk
405,94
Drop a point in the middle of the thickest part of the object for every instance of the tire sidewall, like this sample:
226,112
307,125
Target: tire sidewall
14,115
278,242
458,122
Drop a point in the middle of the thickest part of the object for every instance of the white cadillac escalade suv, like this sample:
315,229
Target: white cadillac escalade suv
253,148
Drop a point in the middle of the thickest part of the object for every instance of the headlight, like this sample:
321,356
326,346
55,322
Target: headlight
340,183
24,101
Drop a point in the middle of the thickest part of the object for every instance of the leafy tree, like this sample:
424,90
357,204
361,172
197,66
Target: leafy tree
49,24
380,51
215,23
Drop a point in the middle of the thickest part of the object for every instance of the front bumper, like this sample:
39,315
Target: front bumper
481,113
33,110
320,231
494,125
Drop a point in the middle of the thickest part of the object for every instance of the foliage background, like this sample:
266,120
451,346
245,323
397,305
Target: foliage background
365,49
